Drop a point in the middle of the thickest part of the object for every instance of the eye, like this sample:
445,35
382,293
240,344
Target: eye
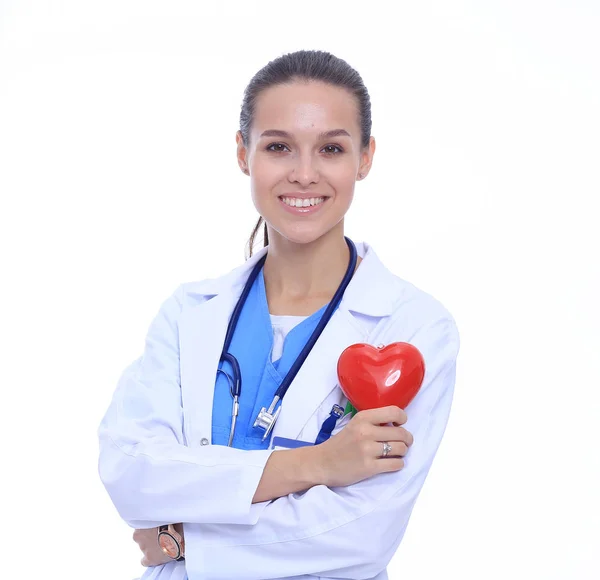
276,147
330,149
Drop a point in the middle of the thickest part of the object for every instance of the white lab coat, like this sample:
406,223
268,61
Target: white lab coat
158,465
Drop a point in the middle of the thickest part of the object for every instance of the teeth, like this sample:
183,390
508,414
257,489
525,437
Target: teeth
297,202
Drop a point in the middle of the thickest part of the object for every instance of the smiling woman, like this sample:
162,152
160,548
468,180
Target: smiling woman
281,482
319,109
318,154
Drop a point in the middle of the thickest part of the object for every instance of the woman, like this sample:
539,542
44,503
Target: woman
227,505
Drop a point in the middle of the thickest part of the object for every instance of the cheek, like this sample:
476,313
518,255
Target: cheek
343,178
265,175
261,183
342,169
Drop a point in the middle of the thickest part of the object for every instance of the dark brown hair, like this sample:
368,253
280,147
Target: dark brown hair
303,65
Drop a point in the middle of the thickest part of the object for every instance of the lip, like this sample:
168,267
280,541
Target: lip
302,210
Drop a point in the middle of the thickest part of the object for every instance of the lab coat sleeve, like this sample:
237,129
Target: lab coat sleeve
150,473
345,532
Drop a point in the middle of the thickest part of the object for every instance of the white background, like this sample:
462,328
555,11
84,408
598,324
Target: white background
118,182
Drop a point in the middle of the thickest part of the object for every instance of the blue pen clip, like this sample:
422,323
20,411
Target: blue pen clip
329,424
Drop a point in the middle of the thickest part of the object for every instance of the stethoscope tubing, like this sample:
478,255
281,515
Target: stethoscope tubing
235,382
237,386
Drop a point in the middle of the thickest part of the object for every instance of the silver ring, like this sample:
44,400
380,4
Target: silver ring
386,449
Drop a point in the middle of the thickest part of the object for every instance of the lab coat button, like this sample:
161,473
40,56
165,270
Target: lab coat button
204,441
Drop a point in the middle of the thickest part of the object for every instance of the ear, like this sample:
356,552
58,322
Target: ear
366,159
242,153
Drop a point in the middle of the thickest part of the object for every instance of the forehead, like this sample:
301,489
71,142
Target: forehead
306,107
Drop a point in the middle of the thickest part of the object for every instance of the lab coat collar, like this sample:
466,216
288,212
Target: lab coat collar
372,290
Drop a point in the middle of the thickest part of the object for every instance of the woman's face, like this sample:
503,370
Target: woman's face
304,156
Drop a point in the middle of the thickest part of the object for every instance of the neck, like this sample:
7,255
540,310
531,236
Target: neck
301,278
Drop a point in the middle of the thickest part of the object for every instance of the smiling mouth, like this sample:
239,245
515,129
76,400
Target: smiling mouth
298,202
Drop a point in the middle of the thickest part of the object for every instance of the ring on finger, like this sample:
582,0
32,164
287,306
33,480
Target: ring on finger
387,448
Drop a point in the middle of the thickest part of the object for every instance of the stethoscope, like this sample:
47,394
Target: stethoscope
267,417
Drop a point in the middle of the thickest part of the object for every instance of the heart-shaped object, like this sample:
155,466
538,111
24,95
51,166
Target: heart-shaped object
373,377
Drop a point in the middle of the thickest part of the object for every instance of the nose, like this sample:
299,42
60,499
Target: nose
304,170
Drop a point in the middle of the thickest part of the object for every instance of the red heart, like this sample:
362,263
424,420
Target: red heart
373,377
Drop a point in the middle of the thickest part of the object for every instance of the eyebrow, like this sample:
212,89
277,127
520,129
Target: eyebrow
323,135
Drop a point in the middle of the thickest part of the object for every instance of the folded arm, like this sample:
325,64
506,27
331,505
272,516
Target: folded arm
150,473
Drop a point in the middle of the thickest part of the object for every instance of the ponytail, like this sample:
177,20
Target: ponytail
253,236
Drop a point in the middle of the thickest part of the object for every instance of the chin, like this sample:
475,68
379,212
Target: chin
303,235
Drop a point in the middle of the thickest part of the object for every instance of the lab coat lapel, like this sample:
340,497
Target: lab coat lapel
207,309
202,333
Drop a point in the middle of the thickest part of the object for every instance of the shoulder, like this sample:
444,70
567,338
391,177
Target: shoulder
423,316
198,291
414,315
410,300
401,297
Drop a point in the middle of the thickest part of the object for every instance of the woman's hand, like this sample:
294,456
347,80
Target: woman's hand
355,453
147,540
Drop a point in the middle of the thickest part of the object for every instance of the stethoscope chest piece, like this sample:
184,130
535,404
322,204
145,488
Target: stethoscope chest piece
266,418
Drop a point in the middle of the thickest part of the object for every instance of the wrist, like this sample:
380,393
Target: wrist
315,465
291,471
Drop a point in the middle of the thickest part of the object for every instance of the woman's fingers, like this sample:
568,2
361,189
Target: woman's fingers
398,449
375,434
148,544
389,464
385,415
392,434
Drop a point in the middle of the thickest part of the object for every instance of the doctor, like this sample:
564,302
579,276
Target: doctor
209,496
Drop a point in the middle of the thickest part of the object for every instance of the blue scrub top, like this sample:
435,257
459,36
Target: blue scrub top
252,344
